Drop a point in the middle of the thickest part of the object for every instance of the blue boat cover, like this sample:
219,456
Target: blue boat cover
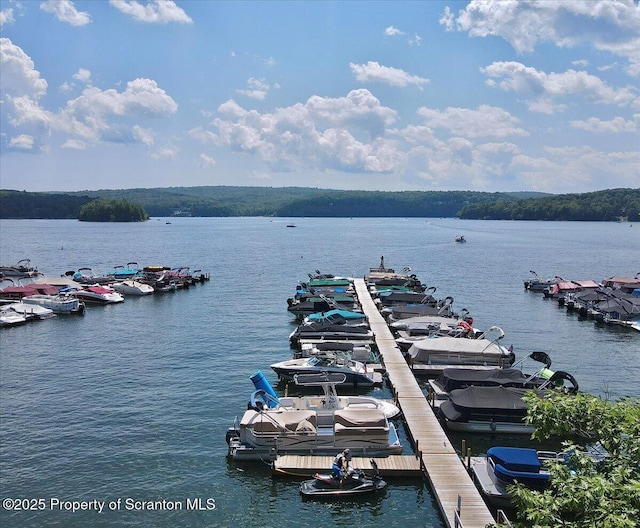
516,458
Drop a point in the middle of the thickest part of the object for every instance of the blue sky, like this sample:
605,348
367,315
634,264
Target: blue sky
505,95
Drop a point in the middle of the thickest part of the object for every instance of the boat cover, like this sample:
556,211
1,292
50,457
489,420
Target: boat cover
499,398
516,458
444,349
454,378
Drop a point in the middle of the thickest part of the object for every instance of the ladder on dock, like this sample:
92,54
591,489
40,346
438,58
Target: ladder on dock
459,500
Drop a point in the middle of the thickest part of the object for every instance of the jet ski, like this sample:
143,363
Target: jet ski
354,483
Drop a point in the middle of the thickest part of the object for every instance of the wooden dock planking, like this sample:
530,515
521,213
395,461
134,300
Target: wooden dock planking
307,465
444,469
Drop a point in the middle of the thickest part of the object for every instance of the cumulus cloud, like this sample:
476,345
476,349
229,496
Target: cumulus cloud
615,125
486,121
373,71
257,89
6,17
153,12
65,11
167,152
542,90
607,25
206,161
82,75
22,142
393,32
19,76
344,133
75,144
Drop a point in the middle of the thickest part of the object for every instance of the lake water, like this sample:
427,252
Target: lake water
133,400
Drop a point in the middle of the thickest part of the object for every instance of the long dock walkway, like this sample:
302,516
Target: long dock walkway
442,465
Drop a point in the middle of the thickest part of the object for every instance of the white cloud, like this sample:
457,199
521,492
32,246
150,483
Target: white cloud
82,75
543,89
607,25
204,136
615,125
154,12
486,121
373,71
258,89
75,144
344,133
19,76
167,152
65,11
22,142
6,17
393,32
142,135
206,161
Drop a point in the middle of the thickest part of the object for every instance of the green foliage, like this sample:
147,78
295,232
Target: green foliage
21,204
586,492
104,210
609,205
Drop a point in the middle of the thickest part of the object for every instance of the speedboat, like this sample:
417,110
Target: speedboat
121,273
333,328
344,314
309,304
60,303
11,318
500,410
536,284
359,351
96,294
502,466
87,276
356,372
264,396
132,287
442,308
328,486
460,378
446,350
16,292
264,435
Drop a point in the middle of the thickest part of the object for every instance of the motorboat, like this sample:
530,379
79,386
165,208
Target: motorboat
344,314
503,466
460,378
356,373
360,351
31,311
447,350
413,329
310,304
21,270
59,303
119,273
332,328
13,291
328,486
11,318
495,410
87,276
264,435
442,308
264,396
96,294
536,284
132,287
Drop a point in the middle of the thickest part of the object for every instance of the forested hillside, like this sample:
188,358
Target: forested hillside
608,205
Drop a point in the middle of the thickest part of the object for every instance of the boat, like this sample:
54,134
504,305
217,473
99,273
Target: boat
344,314
358,350
446,350
356,372
332,328
264,396
132,287
460,378
413,329
119,273
503,466
441,308
313,303
31,311
87,276
95,294
16,292
328,486
265,434
10,318
495,410
59,303
21,270
461,239
536,284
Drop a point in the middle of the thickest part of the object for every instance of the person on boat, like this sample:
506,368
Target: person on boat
341,464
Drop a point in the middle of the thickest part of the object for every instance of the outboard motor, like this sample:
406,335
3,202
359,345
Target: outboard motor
261,383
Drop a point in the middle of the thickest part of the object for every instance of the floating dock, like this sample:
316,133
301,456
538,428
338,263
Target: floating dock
451,484
305,466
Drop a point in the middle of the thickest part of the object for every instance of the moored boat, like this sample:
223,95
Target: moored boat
60,303
132,287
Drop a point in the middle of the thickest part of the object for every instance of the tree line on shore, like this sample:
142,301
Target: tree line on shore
224,201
